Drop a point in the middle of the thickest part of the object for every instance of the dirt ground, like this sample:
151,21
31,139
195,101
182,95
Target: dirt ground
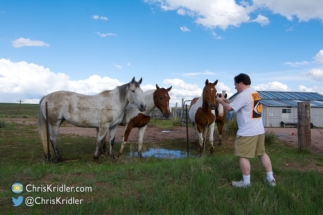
155,134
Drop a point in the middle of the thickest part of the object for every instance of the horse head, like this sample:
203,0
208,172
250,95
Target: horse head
209,94
135,94
161,100
219,95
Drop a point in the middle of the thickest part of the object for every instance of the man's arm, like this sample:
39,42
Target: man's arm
225,103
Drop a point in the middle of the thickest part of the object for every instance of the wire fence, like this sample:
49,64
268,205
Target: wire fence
8,110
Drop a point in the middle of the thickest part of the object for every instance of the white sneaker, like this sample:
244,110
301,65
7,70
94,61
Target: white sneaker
241,184
271,183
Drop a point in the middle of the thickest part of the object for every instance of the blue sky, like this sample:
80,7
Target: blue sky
91,46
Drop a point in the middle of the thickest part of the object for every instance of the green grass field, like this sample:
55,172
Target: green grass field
194,185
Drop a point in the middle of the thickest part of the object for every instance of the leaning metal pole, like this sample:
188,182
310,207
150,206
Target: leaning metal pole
187,143
47,131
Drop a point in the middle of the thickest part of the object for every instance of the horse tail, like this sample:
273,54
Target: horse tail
42,130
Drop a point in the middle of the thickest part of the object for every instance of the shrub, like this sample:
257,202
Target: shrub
232,126
270,137
177,122
2,124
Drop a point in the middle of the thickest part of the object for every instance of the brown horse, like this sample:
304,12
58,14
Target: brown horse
133,118
220,117
202,114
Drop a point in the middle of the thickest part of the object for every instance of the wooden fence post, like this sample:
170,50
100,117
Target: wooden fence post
304,126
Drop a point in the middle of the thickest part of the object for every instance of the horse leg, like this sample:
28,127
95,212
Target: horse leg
127,130
200,133
211,137
103,143
101,134
140,139
196,137
220,126
112,132
53,130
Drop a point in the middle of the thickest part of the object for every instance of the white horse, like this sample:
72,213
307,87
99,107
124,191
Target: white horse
103,111
133,118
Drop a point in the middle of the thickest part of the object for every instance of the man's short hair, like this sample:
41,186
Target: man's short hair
244,78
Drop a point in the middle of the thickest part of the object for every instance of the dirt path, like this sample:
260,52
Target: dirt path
155,134
290,135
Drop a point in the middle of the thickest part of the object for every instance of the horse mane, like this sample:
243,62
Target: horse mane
123,91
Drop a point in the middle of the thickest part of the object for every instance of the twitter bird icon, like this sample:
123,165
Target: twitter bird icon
18,201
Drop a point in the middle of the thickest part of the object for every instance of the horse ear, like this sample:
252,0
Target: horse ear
207,81
157,87
139,82
133,80
215,82
168,89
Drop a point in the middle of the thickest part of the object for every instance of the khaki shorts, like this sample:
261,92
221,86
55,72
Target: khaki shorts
249,147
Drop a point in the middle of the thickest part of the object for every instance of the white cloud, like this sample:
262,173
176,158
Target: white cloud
275,85
181,90
304,89
209,13
315,74
29,82
181,12
92,85
262,20
319,56
318,89
225,13
117,66
21,42
216,36
297,64
106,35
184,29
303,10
191,74
181,84
96,17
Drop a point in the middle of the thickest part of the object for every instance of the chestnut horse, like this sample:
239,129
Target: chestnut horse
133,118
202,114
220,116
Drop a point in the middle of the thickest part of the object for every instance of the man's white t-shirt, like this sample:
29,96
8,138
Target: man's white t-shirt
249,109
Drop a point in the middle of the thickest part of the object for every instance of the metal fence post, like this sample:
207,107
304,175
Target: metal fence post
187,142
47,131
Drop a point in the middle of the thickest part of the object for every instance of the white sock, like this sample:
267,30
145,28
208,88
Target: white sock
270,176
246,179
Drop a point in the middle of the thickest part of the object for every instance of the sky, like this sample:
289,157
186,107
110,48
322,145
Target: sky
91,46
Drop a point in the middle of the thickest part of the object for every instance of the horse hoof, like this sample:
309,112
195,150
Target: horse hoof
211,150
112,156
120,154
95,157
140,155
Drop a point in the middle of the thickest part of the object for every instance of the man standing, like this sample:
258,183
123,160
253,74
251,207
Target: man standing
250,139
